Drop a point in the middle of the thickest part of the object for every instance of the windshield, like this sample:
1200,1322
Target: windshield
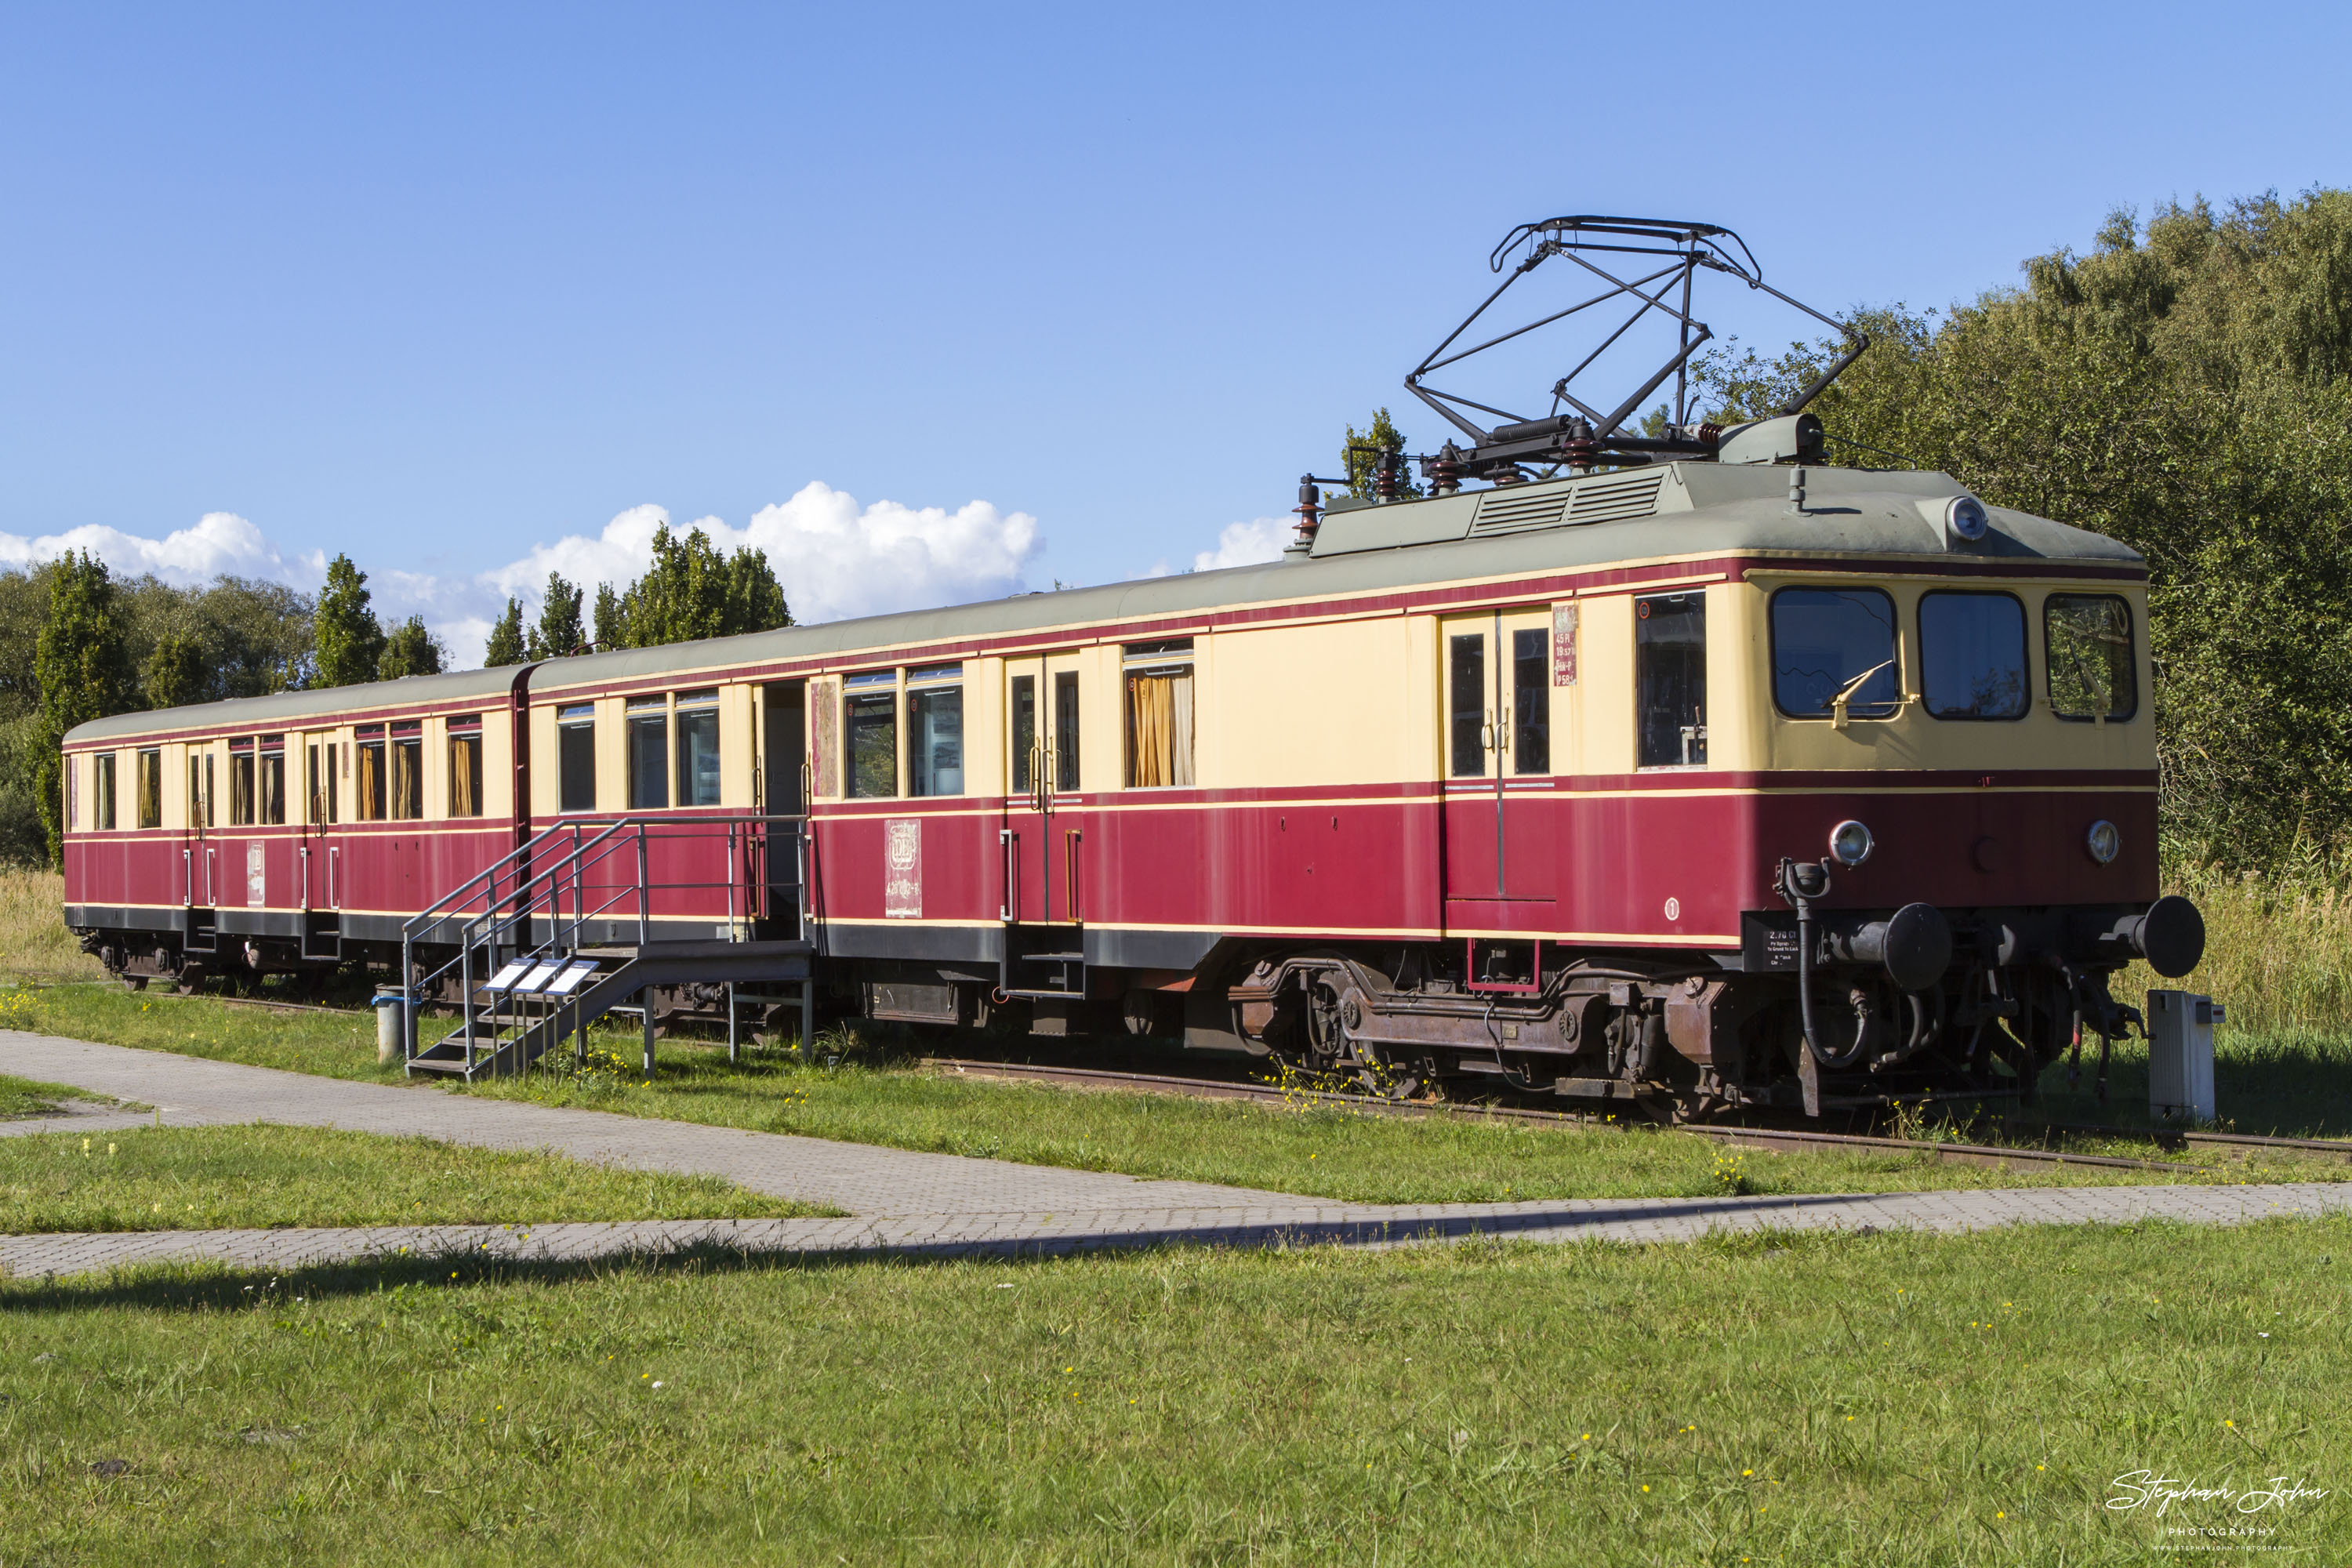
1826,639
1972,656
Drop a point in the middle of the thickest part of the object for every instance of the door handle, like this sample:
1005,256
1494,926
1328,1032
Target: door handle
1009,843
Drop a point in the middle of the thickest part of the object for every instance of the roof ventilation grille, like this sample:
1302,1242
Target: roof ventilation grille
1607,501
1514,511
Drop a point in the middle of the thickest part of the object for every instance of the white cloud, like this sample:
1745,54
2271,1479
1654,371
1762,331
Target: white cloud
221,544
1246,543
835,558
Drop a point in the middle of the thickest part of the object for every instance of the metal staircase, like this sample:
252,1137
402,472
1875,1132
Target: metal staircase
580,919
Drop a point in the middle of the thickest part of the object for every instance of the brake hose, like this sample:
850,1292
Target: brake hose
1831,1059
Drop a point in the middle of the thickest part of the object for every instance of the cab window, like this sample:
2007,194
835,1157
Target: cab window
1832,641
2088,639
1972,656
1670,679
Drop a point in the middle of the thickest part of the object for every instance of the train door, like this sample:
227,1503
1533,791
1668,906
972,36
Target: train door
320,868
1042,749
197,846
1500,841
780,776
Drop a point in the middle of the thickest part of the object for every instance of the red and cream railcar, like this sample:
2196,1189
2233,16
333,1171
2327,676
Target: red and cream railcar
267,833
1653,784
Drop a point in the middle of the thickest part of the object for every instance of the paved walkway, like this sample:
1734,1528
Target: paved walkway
912,1204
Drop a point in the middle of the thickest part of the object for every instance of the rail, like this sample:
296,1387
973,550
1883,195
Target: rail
573,901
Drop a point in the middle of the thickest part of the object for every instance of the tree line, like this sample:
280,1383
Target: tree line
2184,386
77,642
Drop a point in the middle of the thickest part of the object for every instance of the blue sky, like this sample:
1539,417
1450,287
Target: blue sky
446,288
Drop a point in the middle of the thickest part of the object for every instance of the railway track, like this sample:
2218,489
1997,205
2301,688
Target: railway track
1764,1138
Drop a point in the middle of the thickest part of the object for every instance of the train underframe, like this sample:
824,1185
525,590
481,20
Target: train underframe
1671,1035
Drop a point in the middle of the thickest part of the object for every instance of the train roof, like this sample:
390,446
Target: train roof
1662,512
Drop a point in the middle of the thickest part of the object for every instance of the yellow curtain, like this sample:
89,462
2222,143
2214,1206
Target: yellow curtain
1160,730
371,780
406,798
461,775
151,789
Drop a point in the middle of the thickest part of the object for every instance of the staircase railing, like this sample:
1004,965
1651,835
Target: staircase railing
564,895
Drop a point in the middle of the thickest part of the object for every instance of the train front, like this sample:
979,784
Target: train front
1951,847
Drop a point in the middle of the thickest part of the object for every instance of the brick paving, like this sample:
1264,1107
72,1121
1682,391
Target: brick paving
935,1206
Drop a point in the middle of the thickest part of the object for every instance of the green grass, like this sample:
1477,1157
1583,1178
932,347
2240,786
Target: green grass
34,942
212,1178
24,1096
1882,1401
1316,1150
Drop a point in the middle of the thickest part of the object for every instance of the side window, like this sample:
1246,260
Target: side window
869,718
935,730
272,783
1065,729
698,748
1466,679
102,791
575,757
1834,642
1023,700
151,789
1670,680
1158,714
240,782
465,765
1972,656
1531,700
370,796
2089,648
200,787
648,741
408,771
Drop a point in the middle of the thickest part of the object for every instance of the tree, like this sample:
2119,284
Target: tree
755,600
505,646
691,591
83,670
350,641
558,633
175,672
612,630
1360,454
410,650
2185,387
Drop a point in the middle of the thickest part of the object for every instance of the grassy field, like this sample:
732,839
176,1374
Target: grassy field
24,1096
34,942
208,1178
1810,1400
1336,1152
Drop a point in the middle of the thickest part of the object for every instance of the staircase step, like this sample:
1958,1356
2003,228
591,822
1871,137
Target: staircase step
454,1066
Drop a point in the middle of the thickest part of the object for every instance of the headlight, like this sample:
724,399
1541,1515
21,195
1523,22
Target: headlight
2104,841
1965,516
1850,843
